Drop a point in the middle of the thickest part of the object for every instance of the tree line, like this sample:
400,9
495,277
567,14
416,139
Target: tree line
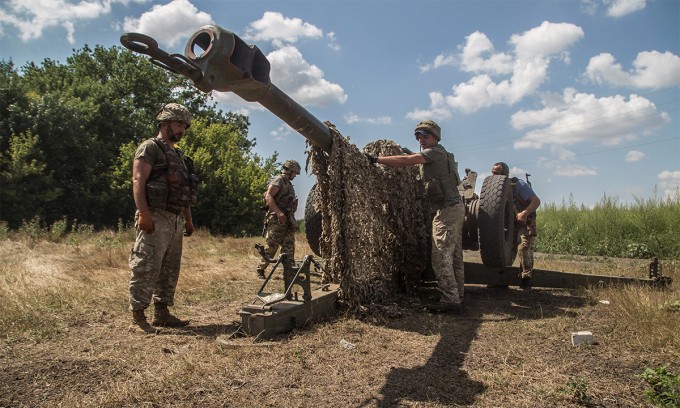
69,131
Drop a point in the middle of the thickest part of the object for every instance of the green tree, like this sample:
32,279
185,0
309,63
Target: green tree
232,178
81,122
24,181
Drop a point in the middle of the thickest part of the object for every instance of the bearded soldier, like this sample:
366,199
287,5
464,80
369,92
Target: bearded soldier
164,188
280,224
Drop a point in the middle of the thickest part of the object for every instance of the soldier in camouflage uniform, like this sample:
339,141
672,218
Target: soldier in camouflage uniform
164,187
280,223
439,173
526,203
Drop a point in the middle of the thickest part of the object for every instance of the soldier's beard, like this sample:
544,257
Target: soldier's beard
175,136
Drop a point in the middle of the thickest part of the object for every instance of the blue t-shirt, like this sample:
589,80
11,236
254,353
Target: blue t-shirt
524,192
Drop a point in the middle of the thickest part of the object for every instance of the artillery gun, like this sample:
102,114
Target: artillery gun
217,59
228,64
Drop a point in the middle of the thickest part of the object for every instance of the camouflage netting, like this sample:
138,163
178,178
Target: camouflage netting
374,235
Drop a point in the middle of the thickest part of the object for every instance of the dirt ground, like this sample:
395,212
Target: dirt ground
509,348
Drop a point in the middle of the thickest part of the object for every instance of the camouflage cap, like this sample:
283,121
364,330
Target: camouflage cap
292,165
174,112
431,127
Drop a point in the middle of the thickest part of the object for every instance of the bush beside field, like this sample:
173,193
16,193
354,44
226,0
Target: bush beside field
645,229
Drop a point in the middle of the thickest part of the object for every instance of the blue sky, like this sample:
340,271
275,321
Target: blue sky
583,95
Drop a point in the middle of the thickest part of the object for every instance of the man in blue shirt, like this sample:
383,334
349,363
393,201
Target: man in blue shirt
526,203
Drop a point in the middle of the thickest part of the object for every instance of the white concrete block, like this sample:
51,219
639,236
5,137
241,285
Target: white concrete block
581,337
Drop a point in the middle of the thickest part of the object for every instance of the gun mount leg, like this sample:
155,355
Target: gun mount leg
510,276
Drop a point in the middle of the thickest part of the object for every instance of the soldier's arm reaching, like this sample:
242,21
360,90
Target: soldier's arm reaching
534,202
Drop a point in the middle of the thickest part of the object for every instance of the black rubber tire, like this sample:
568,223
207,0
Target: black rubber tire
313,224
496,220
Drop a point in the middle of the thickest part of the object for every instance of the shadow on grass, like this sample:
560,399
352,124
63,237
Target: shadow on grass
442,380
207,330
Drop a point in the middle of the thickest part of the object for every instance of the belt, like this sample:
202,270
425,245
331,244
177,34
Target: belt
172,210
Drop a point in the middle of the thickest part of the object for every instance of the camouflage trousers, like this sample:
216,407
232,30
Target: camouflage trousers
279,235
447,252
525,250
155,260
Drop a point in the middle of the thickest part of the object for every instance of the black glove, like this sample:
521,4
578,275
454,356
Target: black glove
372,159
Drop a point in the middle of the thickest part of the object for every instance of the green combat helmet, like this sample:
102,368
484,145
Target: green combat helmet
432,127
292,165
174,112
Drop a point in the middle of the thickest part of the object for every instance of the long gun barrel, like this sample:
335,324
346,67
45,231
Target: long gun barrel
227,63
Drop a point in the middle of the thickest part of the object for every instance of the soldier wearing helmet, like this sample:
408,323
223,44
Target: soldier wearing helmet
439,173
526,202
164,188
280,224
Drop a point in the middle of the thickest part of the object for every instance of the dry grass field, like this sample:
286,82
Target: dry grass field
64,338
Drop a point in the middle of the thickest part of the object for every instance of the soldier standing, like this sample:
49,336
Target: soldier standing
439,173
280,223
526,203
164,187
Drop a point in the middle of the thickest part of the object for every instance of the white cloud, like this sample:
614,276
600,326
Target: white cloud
546,40
615,8
476,48
635,156
170,23
278,29
619,8
518,172
670,183
562,153
528,66
437,111
441,60
32,17
651,70
332,44
379,120
281,133
570,169
302,81
582,117
589,6
236,103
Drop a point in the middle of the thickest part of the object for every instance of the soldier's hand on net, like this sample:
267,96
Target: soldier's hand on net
372,159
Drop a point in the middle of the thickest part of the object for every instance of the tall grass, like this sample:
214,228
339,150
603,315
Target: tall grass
641,230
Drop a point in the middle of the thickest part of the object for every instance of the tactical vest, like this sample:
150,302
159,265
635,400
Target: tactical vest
443,188
172,184
285,199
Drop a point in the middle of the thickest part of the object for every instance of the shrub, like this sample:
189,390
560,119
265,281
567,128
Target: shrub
665,387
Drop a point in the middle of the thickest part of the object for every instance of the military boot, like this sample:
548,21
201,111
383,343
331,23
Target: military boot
526,283
140,323
163,317
260,273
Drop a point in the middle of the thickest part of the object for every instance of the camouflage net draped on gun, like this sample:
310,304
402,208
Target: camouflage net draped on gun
374,223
